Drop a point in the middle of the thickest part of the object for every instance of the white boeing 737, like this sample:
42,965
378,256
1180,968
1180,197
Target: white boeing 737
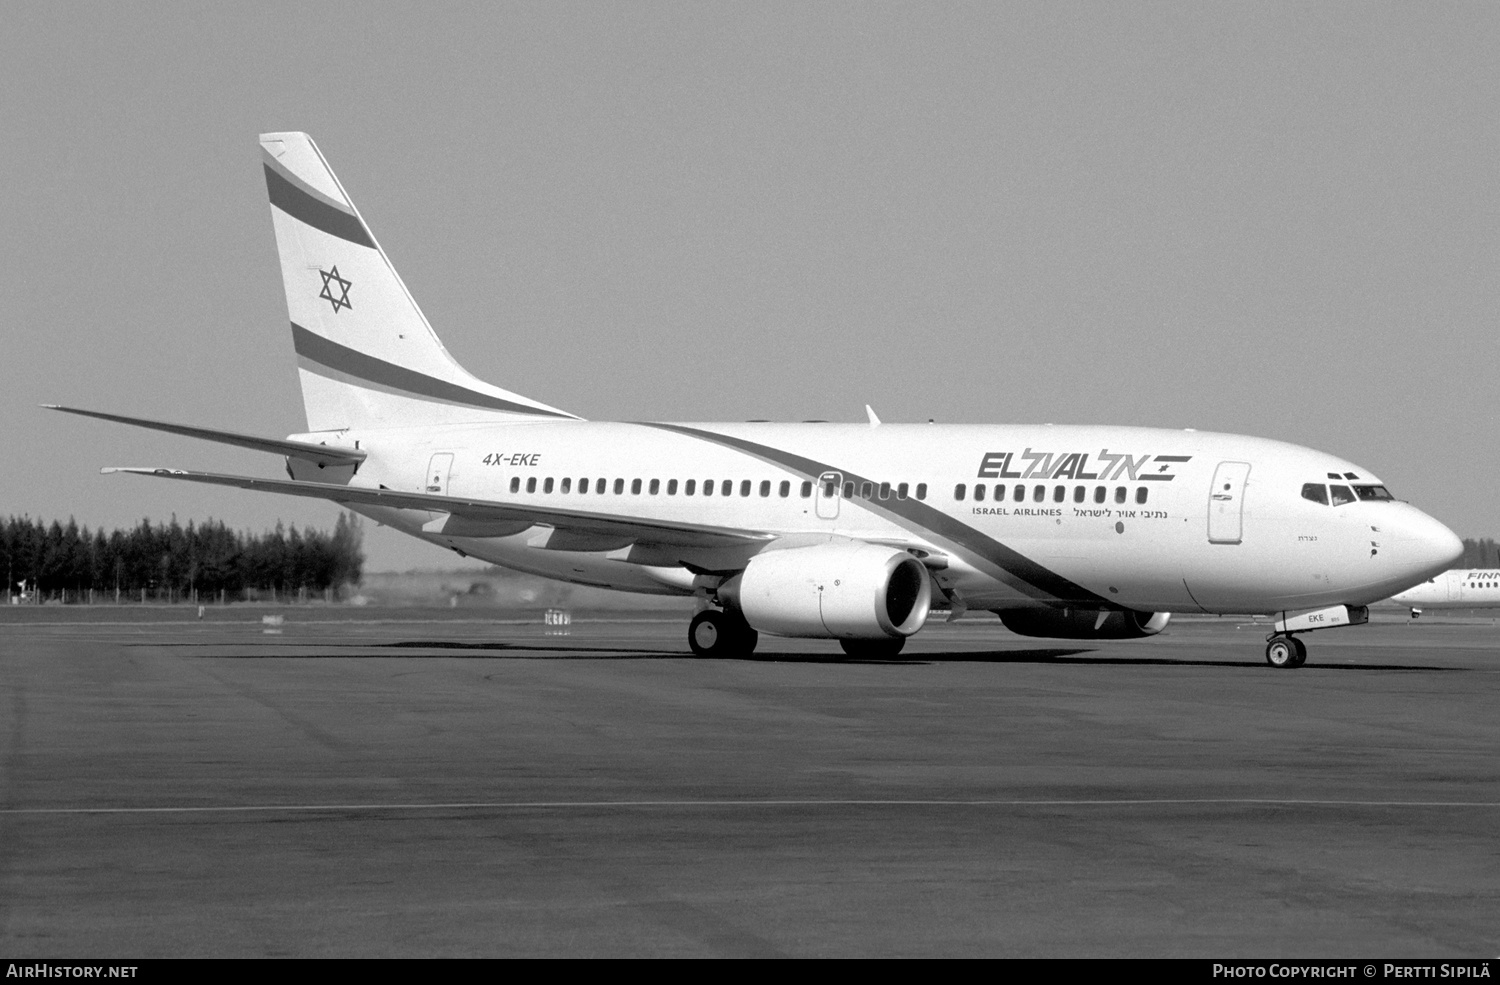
1457,588
834,531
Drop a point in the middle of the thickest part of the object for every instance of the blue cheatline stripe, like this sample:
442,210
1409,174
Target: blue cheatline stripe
356,365
300,204
1024,574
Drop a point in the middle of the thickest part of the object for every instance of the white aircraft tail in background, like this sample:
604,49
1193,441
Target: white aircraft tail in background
851,532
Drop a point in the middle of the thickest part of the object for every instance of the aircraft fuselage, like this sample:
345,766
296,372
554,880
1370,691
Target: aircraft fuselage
1140,518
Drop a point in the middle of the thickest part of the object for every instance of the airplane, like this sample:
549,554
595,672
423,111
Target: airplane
1456,588
849,532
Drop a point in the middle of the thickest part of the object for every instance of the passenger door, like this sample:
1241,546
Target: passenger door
1226,503
437,473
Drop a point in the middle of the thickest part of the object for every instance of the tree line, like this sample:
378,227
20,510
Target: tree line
169,562
1483,553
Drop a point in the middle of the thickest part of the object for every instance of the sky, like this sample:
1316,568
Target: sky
1270,219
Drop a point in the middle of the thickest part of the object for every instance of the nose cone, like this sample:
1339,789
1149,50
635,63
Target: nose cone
1424,546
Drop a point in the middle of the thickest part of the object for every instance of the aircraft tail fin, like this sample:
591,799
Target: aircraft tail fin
365,353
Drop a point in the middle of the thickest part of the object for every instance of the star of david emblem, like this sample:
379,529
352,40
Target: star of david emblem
332,283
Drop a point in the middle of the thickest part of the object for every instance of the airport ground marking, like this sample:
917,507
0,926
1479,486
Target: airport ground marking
685,804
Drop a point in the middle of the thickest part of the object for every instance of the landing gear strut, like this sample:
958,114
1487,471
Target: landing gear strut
721,633
1285,652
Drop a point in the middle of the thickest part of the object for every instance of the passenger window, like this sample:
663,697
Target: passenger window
745,487
999,492
567,484
806,489
921,490
531,484
1099,493
830,488
619,486
885,490
786,489
1140,495
978,492
1341,495
583,486
655,487
765,487
1119,494
708,487
726,488
901,491
1059,493
635,487
671,487
865,490
515,483
1315,492
1019,493
1079,492
689,487
959,491
1038,494
547,486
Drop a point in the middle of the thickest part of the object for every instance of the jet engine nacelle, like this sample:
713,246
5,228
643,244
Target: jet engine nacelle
1084,624
839,591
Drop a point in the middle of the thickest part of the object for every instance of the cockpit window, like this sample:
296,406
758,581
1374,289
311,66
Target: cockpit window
1315,491
1372,492
1341,495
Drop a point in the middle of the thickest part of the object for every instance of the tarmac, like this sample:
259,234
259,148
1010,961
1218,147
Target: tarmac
375,783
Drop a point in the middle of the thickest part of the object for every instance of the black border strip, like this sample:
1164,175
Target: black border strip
350,362
1029,576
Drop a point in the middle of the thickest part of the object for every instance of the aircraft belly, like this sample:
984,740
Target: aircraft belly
1277,566
593,569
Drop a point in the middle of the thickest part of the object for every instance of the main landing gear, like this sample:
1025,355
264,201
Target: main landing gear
721,633
725,633
1285,652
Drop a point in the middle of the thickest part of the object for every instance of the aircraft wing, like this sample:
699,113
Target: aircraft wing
483,517
320,454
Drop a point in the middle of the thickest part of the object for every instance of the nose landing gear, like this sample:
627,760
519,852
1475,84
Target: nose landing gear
1285,652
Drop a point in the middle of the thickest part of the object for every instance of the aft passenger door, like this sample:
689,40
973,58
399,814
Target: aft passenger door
1226,503
437,473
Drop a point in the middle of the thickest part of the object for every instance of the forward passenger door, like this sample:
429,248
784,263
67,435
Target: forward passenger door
1226,503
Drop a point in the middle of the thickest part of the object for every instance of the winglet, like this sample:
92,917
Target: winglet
874,421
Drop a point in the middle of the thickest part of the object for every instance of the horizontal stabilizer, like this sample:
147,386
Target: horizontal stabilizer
611,526
320,454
